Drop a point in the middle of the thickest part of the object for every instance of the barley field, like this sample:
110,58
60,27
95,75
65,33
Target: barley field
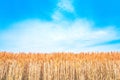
60,66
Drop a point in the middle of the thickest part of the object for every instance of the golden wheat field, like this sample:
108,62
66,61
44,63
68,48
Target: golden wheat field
60,66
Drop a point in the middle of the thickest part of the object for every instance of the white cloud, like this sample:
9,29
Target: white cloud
35,35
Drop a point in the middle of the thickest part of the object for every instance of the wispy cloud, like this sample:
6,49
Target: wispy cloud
66,5
62,7
35,35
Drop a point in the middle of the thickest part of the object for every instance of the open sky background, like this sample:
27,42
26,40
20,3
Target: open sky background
59,25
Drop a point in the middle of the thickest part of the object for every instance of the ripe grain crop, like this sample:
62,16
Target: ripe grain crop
60,66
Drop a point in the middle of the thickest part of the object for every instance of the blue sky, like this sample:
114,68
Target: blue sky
59,25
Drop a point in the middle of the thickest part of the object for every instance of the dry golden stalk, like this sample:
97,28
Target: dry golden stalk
60,66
